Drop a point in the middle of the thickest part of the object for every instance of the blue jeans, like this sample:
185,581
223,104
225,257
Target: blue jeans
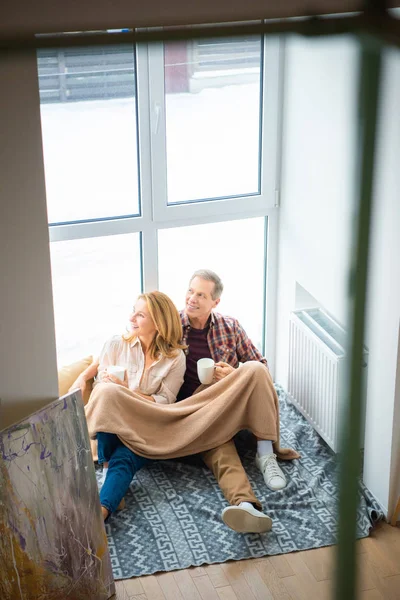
123,464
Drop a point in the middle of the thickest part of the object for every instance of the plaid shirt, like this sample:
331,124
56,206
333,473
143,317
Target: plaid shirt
227,340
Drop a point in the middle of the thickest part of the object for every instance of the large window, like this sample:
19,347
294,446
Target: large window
215,246
212,118
159,159
95,284
88,112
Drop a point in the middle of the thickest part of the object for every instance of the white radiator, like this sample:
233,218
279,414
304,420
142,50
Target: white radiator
316,370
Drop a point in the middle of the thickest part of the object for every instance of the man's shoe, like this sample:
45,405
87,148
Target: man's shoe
273,475
245,519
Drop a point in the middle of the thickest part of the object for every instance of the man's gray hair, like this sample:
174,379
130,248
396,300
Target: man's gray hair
209,275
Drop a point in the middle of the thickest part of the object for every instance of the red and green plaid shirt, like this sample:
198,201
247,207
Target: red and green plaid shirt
227,340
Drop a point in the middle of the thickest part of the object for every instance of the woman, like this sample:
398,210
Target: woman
154,367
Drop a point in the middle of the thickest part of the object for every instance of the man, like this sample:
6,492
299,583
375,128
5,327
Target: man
210,334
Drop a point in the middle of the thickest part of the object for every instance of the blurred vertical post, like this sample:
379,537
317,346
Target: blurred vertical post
368,98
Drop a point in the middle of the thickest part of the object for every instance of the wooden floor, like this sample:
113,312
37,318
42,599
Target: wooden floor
299,576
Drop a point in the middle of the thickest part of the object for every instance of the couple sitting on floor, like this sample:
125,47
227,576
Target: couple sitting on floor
137,420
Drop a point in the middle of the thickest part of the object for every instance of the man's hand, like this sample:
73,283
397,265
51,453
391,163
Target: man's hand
222,369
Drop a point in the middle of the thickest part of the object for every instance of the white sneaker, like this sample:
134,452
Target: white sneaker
245,519
273,475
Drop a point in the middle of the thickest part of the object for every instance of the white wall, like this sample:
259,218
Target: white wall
315,225
28,372
382,447
317,179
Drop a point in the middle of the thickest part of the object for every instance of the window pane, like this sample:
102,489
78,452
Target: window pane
95,283
212,117
88,111
220,247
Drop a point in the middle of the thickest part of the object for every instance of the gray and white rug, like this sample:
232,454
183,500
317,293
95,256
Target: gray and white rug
172,516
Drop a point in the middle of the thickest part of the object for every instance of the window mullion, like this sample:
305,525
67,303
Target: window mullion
149,250
157,130
271,291
149,159
144,128
271,125
270,120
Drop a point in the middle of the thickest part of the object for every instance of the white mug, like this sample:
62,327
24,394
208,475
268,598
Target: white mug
117,371
205,370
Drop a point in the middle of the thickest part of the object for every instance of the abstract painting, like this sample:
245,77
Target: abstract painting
53,544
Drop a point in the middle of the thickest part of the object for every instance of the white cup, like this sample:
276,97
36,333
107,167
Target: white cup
205,370
117,371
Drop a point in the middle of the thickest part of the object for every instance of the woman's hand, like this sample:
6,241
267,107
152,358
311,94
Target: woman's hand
85,377
222,369
109,378
144,395
81,383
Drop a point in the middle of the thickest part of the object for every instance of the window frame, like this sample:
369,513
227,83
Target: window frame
269,116
156,214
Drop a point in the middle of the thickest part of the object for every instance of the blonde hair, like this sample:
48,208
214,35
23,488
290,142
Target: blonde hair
167,321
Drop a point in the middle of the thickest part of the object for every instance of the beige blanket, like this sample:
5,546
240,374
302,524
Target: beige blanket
245,399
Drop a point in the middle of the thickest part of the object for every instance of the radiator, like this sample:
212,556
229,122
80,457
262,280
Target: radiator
316,369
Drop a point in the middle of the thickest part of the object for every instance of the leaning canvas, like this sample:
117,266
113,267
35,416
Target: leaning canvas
52,539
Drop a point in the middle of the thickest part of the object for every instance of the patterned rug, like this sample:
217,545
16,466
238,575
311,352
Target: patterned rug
172,516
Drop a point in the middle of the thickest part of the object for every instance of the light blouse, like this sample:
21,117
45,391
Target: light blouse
162,379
